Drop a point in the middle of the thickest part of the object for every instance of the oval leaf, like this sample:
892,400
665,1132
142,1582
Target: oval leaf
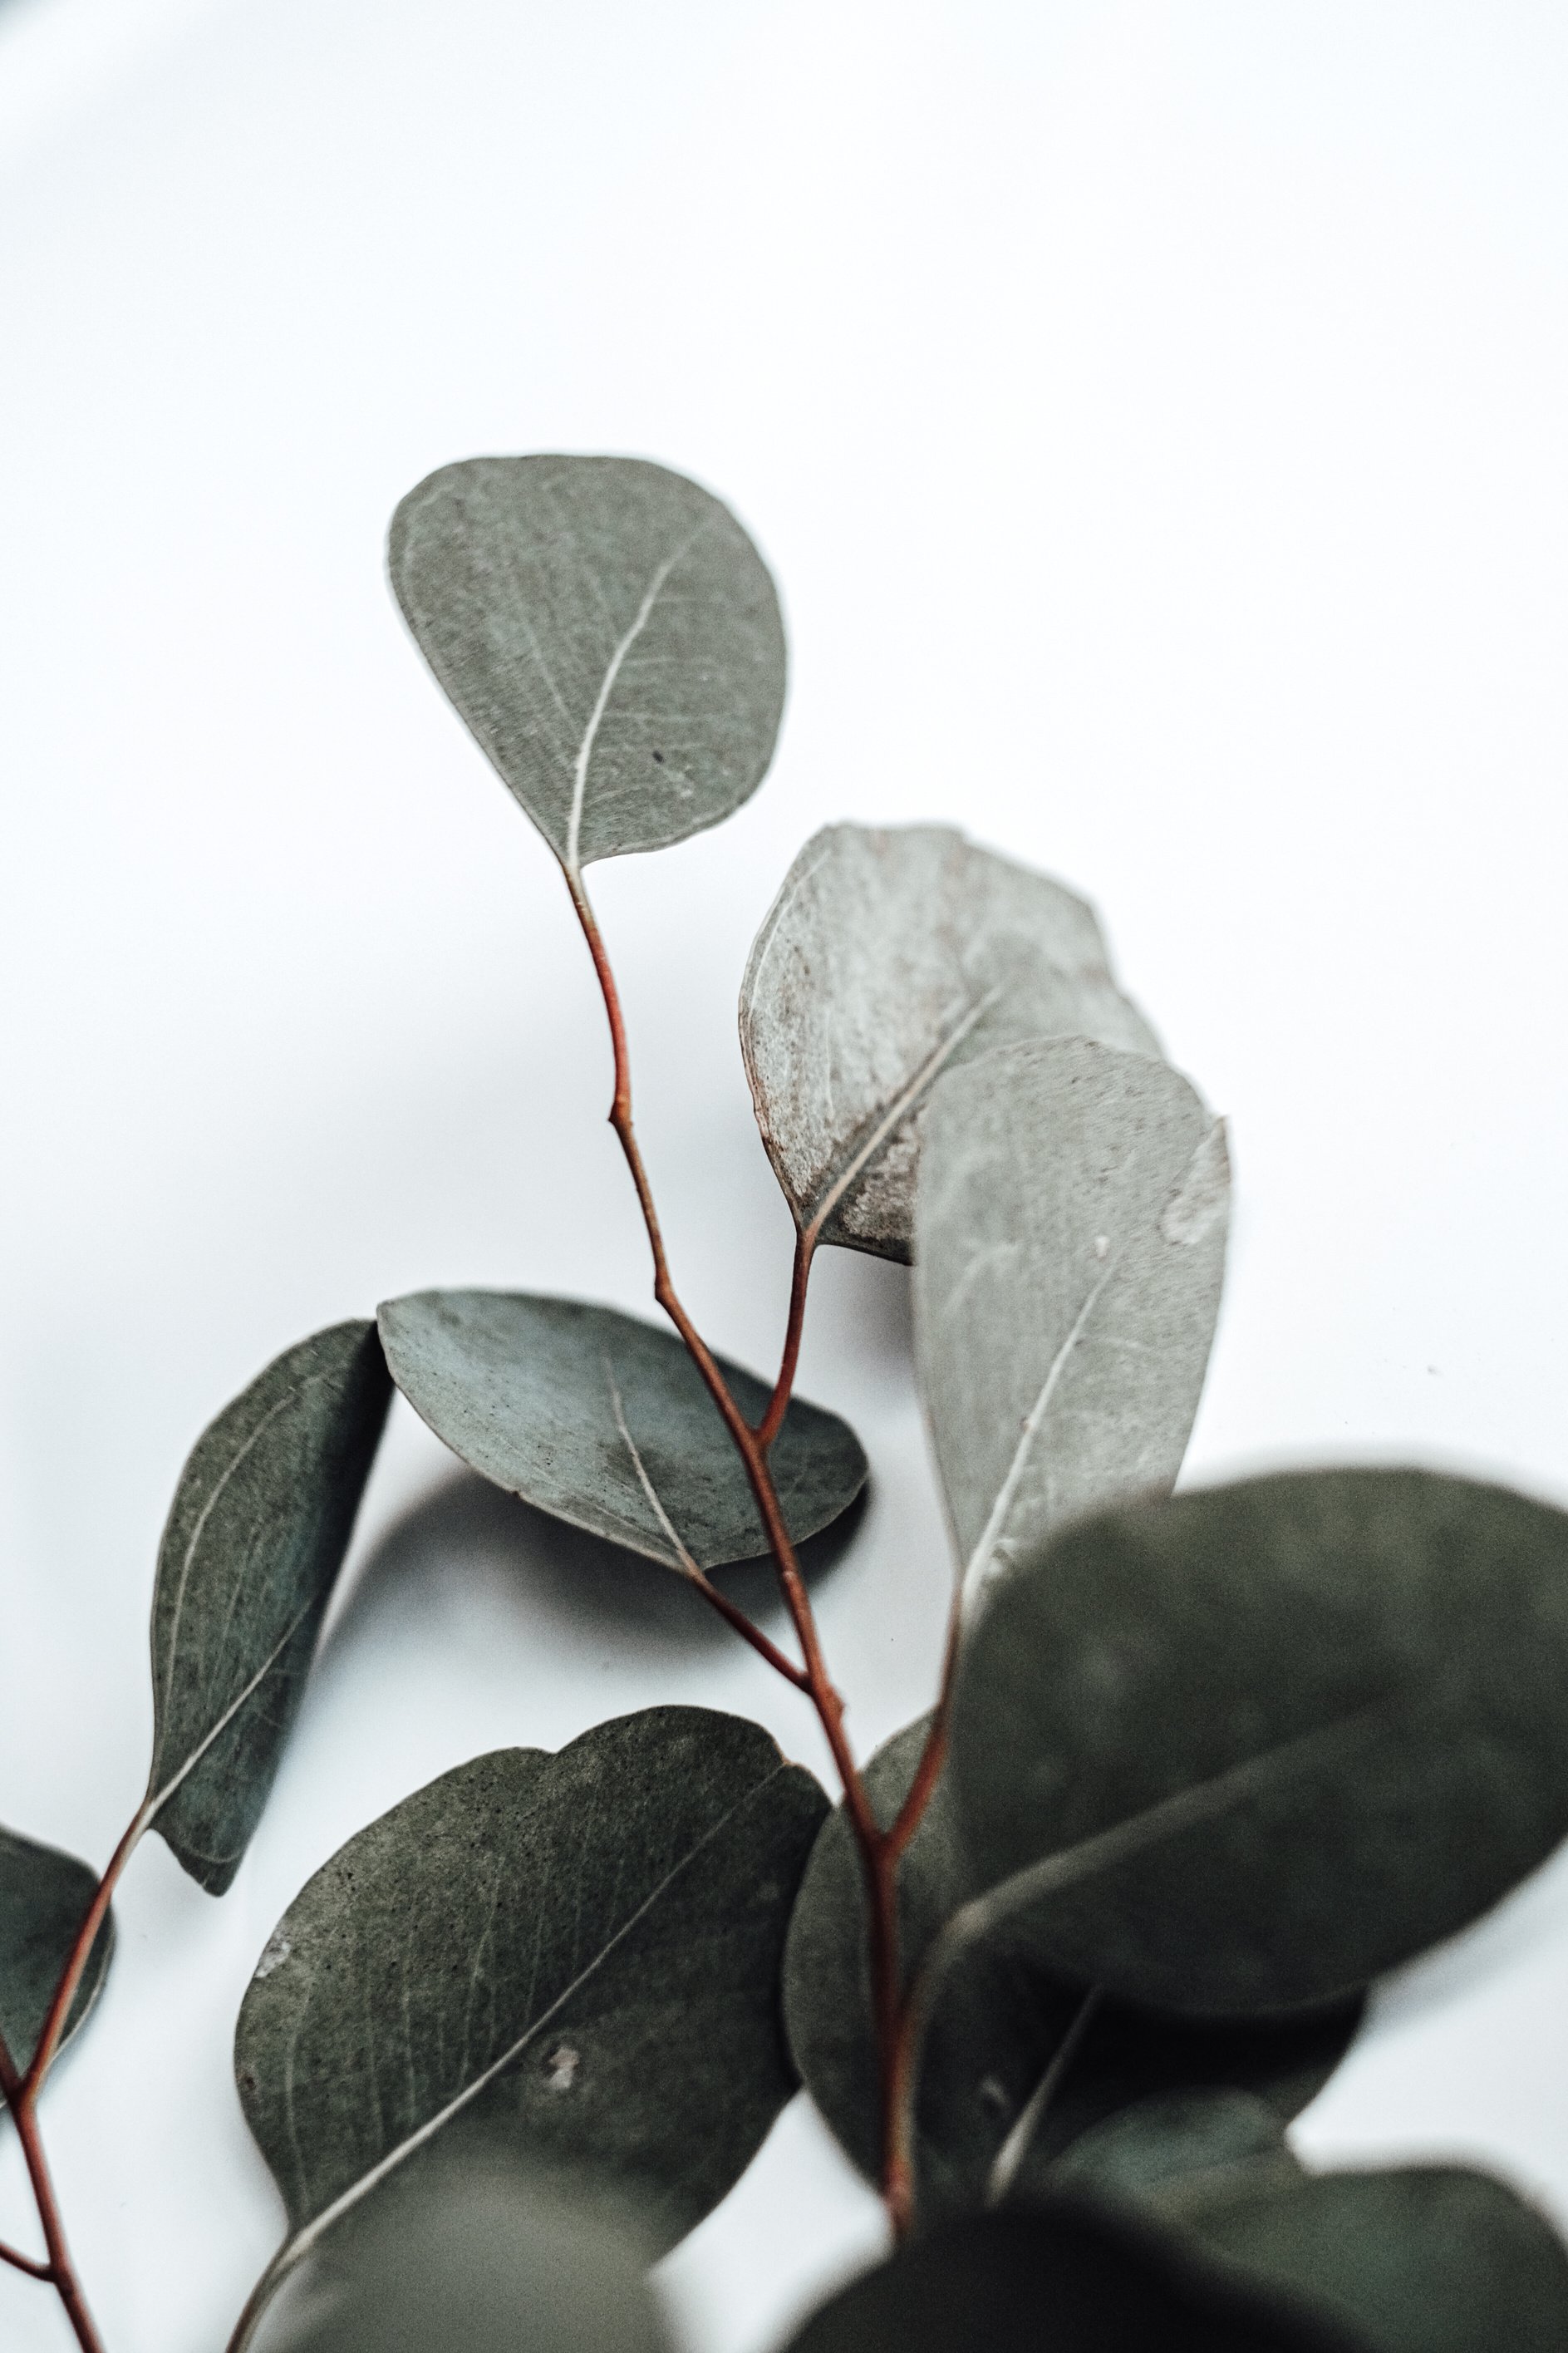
1420,2259
1008,2050
887,958
44,1900
477,2256
262,1520
608,632
1065,2279
579,1953
604,1421
1069,1229
1243,1751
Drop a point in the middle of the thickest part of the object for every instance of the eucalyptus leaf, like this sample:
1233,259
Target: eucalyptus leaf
578,1954
1180,2150
608,632
604,1421
1007,2050
44,1897
1069,1248
1428,2259
1069,2278
888,957
260,1522
479,2256
1240,1752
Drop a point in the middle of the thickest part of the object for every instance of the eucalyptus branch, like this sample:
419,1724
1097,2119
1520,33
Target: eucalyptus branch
57,2270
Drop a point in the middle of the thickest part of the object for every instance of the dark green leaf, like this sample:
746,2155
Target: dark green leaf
608,632
604,1421
1422,2260
260,1522
998,2039
1069,2278
477,2257
889,957
1070,1247
44,1900
1181,2149
1241,1752
579,1953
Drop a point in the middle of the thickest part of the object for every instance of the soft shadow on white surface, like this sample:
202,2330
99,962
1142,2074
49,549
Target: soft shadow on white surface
1154,416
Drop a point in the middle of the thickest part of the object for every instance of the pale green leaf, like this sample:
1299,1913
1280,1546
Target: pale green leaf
608,632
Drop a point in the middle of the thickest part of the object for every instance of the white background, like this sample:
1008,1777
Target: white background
1155,414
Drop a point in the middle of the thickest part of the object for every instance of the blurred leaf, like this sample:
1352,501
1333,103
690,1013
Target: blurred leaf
1002,2032
44,1900
476,2256
604,1421
262,1520
889,957
1421,2260
1069,1248
608,632
576,1954
1067,2278
1180,2149
1241,1752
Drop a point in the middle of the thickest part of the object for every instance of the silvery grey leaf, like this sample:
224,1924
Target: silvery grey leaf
608,632
604,1421
44,1900
1177,2151
1069,2277
478,2256
889,957
260,1522
1070,1226
1238,1753
1007,2051
1418,2259
575,1955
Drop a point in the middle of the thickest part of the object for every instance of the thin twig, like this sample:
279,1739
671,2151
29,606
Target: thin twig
806,1241
24,2264
934,1756
878,1865
80,1953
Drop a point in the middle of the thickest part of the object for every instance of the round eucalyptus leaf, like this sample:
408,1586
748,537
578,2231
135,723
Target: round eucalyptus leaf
479,2256
604,1421
1420,2259
44,1899
888,957
1067,2278
576,1955
256,1536
1007,2049
1069,1247
608,632
1239,1753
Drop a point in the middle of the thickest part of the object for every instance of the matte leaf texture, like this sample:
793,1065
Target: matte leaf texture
1010,2061
1240,1752
888,957
1069,2278
1418,2260
260,1522
1182,2148
608,632
1069,1249
477,2256
578,1952
604,1421
44,1900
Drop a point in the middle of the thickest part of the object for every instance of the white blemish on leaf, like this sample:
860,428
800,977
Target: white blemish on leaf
277,1951
1201,1199
560,2067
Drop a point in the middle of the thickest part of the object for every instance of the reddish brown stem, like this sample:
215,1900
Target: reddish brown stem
748,1633
778,1404
57,2270
934,1756
24,2264
879,1863
65,1992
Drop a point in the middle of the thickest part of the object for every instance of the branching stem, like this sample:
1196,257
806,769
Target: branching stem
878,1850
